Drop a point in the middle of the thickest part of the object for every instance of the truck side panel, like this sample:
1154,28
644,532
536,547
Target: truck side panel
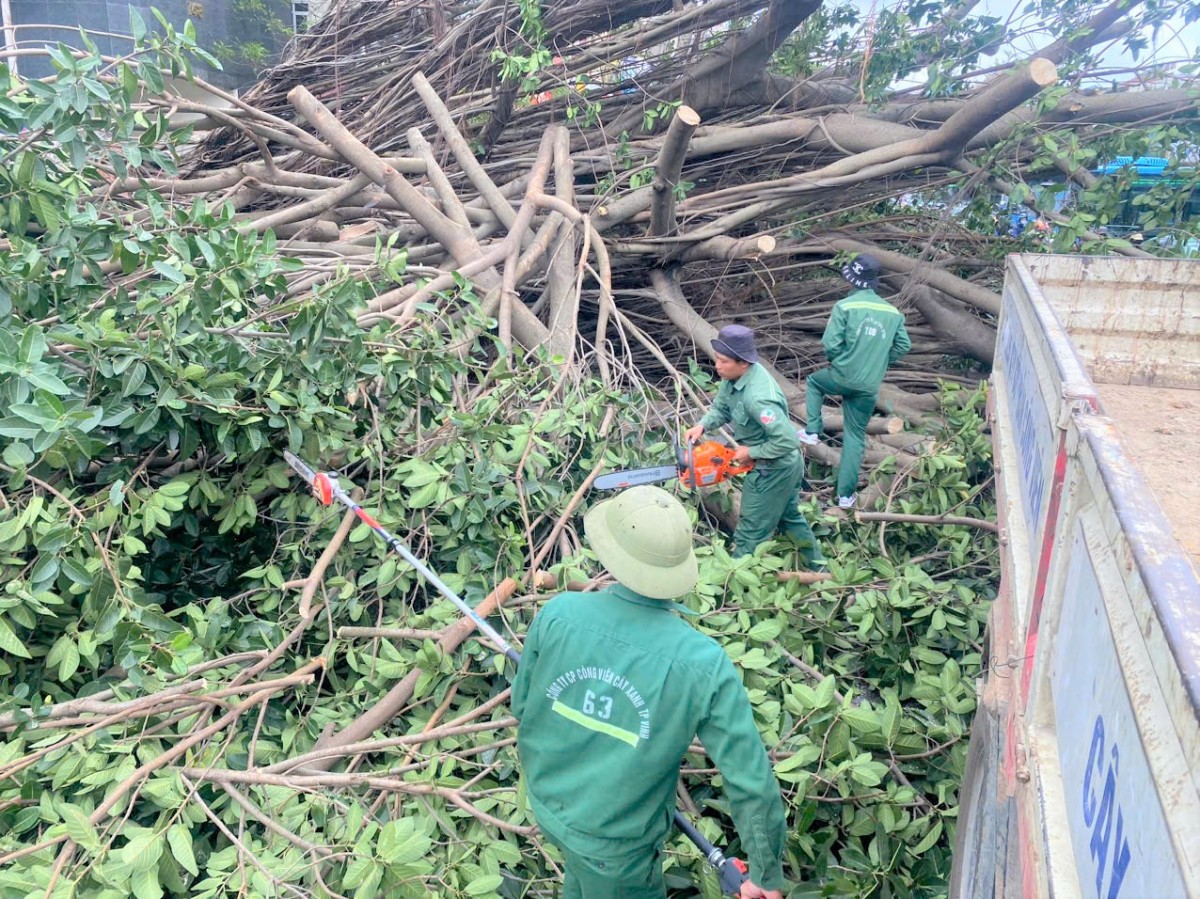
1112,807
1097,760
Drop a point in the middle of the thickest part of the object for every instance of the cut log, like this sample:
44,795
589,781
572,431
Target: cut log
562,290
803,577
547,581
668,168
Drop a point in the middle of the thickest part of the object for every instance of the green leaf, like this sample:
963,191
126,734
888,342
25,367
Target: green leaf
79,827
824,692
483,886
861,720
425,496
19,429
504,852
144,884
33,345
24,174
134,377
170,272
177,487
869,774
18,455
929,841
765,630
69,663
179,838
137,25
889,720
10,527
422,473
77,572
9,642
369,888
129,82
400,844
801,758
142,851
41,376
38,413
754,660
801,699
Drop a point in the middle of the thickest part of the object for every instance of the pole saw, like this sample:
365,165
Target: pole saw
731,872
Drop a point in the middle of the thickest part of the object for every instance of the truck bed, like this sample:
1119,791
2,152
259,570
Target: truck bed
1083,771
1160,427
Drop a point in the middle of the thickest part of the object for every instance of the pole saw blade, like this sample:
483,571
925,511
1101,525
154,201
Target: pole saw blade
619,480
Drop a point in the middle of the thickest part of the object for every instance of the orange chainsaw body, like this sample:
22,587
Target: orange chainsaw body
709,462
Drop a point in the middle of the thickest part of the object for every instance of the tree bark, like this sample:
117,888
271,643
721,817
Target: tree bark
561,289
667,170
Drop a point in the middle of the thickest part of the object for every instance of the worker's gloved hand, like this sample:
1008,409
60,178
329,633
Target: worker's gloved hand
751,890
694,433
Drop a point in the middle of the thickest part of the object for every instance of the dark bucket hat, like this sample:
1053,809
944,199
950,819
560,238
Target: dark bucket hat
737,342
862,272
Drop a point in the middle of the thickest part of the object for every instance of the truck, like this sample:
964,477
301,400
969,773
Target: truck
1083,770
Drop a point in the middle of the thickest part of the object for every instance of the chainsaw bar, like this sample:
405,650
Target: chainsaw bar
618,480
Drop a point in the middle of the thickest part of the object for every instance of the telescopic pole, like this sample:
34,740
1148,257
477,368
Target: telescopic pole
732,872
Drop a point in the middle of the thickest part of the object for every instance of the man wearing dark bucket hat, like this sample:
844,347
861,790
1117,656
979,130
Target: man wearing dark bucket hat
612,688
750,399
864,336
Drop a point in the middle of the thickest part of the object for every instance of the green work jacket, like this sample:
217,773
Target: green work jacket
611,690
755,406
864,336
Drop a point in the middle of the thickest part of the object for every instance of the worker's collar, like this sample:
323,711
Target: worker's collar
637,599
745,378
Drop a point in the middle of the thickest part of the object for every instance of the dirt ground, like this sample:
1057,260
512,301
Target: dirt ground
1161,427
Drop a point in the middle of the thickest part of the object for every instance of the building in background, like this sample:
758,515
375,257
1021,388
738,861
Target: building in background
245,34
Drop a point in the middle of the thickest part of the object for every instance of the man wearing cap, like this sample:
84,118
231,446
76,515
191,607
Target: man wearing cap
612,688
750,399
864,336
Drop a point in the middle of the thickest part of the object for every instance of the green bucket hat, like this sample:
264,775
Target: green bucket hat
644,538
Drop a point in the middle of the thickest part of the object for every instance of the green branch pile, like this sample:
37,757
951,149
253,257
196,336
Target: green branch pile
167,710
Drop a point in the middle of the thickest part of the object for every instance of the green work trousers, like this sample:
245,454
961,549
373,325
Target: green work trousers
638,873
771,502
857,406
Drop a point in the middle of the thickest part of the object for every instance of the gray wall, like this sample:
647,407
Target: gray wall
216,22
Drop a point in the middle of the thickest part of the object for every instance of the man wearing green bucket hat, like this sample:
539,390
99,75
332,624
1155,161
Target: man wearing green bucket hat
753,403
613,687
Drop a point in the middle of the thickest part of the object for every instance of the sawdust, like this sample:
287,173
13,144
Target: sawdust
1160,427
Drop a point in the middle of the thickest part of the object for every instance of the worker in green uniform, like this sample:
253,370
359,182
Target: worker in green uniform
750,399
612,688
864,336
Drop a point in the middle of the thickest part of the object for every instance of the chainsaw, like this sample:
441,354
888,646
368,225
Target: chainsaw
700,465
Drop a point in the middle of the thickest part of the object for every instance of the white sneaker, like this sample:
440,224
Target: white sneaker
847,502
806,438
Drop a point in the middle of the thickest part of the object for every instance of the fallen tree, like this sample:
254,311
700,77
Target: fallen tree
590,173
470,322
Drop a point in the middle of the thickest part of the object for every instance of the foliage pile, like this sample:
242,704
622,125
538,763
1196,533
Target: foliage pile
176,665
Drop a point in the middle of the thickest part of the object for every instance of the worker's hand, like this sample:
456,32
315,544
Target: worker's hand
694,433
751,890
741,455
